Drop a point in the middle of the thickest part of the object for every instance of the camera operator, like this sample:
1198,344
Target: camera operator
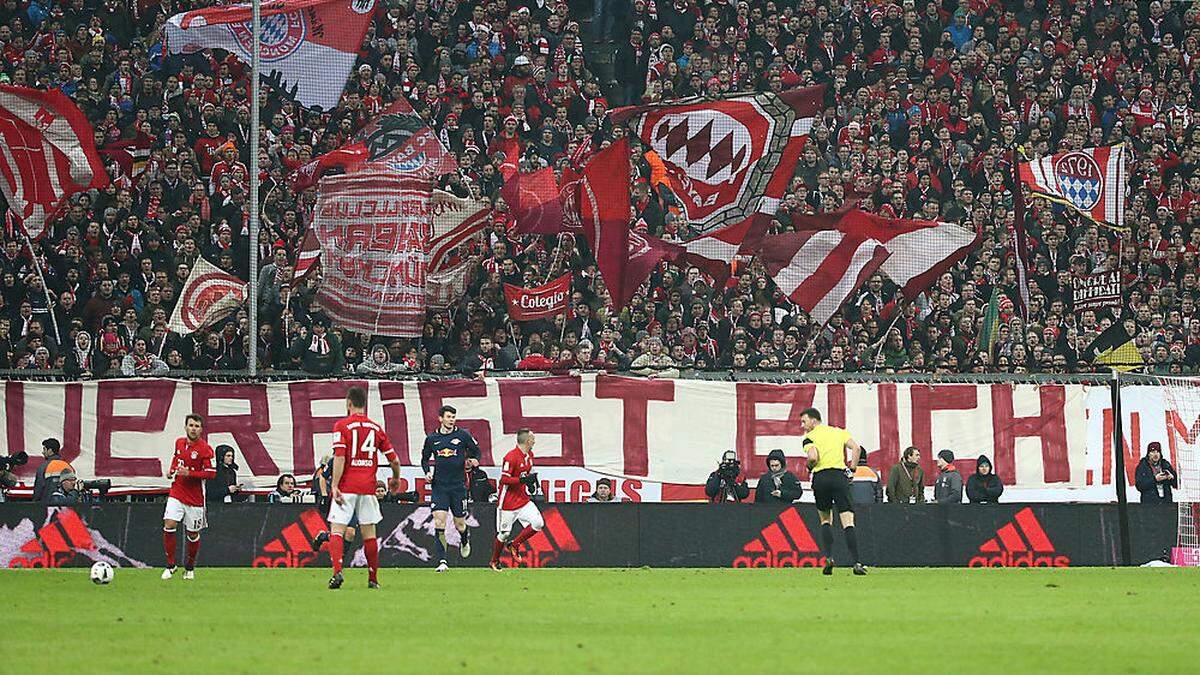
391,493
8,479
777,484
479,488
727,484
48,474
67,492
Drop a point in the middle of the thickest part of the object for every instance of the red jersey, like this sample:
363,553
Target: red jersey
198,457
513,494
359,440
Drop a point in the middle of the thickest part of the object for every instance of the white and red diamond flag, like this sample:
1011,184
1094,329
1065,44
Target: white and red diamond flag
819,269
46,154
310,45
455,221
730,159
209,295
1092,181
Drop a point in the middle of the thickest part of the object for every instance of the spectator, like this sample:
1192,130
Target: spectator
984,486
1155,477
141,363
906,480
285,491
321,353
865,486
727,484
486,358
380,362
48,473
654,362
225,486
603,493
948,488
777,485
381,491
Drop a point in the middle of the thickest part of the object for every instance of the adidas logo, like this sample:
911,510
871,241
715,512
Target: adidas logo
293,546
786,542
1021,543
542,549
56,542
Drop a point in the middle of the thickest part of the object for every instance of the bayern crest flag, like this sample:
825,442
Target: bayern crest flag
1092,181
209,295
309,45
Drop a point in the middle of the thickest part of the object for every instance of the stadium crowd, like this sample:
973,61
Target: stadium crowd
926,99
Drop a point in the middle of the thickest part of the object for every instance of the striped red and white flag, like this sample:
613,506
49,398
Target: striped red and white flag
1092,181
819,269
308,260
455,221
309,45
46,154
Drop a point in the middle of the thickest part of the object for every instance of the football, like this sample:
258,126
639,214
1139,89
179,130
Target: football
102,573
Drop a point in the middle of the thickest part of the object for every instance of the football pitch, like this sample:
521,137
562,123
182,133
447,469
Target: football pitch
598,621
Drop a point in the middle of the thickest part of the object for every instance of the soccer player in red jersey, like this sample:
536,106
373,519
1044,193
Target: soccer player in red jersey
356,442
190,467
513,503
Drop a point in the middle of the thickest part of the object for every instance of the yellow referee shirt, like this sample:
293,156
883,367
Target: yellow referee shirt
831,446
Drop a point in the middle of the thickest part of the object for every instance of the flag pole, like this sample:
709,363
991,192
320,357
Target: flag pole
58,337
256,29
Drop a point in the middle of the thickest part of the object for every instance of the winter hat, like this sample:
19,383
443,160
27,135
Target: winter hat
946,456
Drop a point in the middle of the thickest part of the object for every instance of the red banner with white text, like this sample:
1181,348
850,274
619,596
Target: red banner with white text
539,302
1046,442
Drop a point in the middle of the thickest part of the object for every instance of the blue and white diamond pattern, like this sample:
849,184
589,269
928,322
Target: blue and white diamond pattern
1081,192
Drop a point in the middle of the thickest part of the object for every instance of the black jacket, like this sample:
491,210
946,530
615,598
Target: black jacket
717,489
984,489
1144,479
42,488
789,488
216,489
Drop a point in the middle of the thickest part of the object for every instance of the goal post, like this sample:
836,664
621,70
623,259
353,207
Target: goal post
1181,402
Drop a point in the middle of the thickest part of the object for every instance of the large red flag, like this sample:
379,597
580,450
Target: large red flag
535,202
47,154
645,253
309,45
599,198
819,269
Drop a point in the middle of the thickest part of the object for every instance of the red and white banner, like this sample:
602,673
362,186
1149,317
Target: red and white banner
373,229
456,220
1047,443
209,295
47,154
540,302
310,45
1091,180
819,269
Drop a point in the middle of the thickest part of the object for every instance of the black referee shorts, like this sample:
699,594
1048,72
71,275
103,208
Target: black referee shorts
831,487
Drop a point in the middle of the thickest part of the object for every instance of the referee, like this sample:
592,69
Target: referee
826,448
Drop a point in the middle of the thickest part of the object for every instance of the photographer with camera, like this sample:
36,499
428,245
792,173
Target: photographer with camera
727,484
67,492
8,479
48,474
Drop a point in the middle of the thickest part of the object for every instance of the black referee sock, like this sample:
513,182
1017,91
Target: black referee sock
851,542
827,539
439,542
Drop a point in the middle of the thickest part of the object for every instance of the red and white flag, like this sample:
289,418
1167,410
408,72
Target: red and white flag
535,202
819,269
598,199
1092,181
444,288
539,302
373,229
731,159
455,221
920,250
308,260
398,140
208,296
47,154
310,45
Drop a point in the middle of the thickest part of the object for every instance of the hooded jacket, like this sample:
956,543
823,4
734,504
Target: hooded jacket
789,488
217,489
984,489
371,366
1148,487
948,488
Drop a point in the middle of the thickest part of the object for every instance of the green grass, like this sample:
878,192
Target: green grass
593,621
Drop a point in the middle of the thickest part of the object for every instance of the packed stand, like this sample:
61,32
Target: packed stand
926,101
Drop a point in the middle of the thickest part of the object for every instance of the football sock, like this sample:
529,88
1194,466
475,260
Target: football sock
465,536
827,539
497,547
525,534
439,543
335,552
191,548
169,545
851,542
372,550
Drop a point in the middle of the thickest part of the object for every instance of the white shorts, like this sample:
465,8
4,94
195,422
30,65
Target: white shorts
366,507
192,517
528,515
